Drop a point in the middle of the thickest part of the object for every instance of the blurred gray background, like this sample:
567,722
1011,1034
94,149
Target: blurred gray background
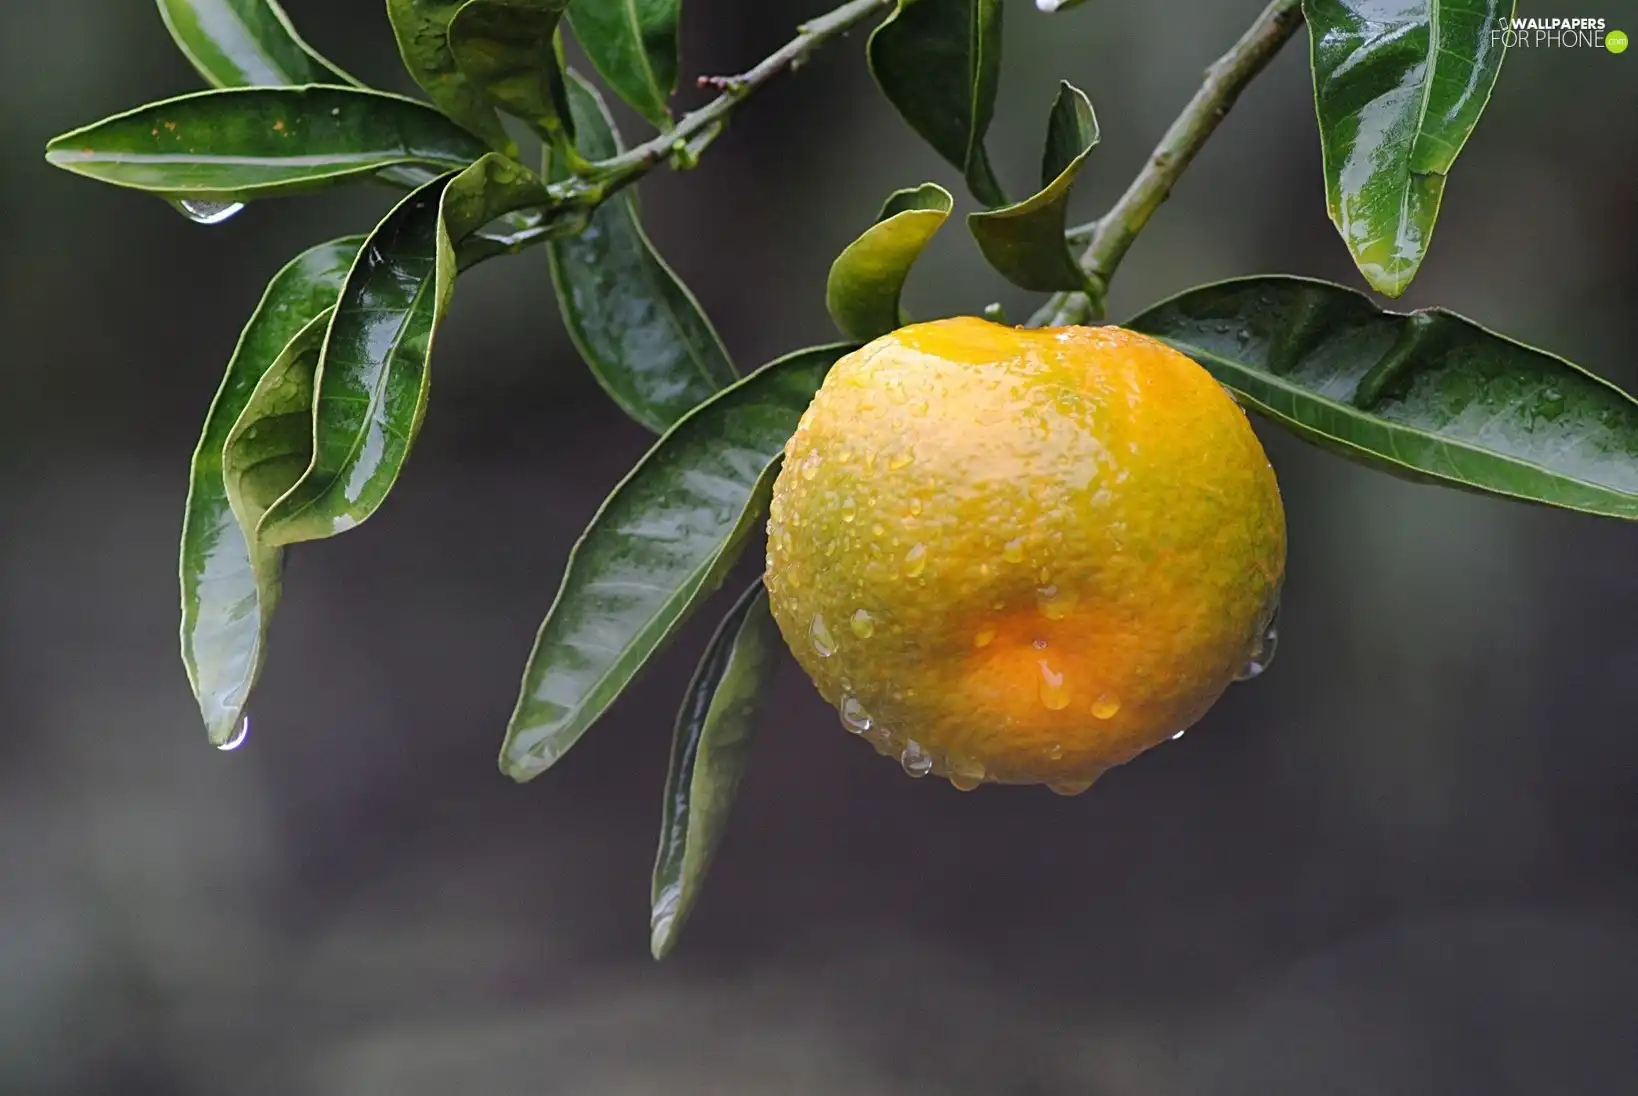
1405,861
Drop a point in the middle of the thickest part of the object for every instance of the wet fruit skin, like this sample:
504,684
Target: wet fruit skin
1022,556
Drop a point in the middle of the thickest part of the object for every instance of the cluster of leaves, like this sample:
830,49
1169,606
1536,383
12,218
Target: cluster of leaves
324,394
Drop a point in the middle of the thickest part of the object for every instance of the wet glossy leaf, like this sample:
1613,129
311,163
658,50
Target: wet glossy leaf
245,43
227,590
643,335
508,48
658,546
710,751
1399,86
238,144
862,291
422,30
939,63
373,377
633,45
1430,395
1025,242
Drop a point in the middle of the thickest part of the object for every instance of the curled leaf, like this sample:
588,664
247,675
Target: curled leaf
229,586
508,48
709,755
1025,242
939,63
867,278
374,374
422,30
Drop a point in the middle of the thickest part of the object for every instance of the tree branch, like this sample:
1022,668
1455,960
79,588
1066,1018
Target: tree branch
1112,234
696,130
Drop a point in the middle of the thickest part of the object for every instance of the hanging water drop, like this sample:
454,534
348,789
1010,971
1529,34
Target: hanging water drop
1262,652
207,213
917,761
854,716
1069,787
237,738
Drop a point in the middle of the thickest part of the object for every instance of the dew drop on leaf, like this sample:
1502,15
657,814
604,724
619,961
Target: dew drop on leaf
237,738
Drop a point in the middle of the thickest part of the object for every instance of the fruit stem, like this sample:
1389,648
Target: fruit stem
1112,234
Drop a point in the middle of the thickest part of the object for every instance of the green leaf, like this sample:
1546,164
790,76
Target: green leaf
643,335
709,755
228,592
238,144
245,43
1025,242
939,63
422,30
633,46
1429,396
862,291
508,48
658,546
373,377
1398,86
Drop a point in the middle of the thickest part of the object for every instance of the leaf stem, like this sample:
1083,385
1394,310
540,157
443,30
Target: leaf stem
1112,235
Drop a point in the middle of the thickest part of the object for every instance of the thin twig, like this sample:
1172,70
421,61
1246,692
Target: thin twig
697,129
1112,234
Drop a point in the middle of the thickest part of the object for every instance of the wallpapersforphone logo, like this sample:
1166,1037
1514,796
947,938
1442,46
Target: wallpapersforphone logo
1556,32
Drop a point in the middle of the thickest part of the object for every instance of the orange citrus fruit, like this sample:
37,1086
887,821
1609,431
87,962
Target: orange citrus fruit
1023,556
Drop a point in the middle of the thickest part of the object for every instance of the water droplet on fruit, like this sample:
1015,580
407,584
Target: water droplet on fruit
915,560
1057,751
1054,603
207,213
849,510
1013,550
1262,651
237,738
1180,734
1069,787
1105,707
824,644
810,466
878,529
1054,693
984,638
917,762
900,460
966,773
854,716
863,624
